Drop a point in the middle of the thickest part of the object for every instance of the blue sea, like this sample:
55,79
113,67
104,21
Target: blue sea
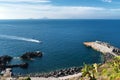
61,42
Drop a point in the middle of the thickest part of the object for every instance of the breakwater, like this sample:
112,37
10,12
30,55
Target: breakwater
108,50
56,74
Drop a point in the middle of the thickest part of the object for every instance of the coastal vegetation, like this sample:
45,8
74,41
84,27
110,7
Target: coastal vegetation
110,70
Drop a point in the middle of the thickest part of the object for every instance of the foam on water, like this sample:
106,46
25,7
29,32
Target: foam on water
20,38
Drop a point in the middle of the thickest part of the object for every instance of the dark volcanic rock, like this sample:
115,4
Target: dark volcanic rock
5,59
4,63
108,56
116,50
59,73
22,65
29,55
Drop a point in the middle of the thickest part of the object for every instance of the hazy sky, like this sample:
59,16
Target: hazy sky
60,9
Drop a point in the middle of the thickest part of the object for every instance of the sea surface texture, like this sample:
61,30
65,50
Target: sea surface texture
61,42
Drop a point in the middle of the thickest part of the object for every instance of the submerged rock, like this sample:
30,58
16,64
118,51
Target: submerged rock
29,55
22,65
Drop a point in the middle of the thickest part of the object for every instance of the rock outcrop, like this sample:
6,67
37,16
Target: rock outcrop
30,55
4,60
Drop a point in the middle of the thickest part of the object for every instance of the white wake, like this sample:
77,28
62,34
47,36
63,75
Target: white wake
20,38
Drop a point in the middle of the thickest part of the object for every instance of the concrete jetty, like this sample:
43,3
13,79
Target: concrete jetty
104,48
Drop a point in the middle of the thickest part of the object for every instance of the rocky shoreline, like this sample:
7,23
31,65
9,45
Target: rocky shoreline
30,55
5,66
4,61
108,50
56,74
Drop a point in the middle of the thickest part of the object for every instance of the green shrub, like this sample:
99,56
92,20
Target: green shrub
28,78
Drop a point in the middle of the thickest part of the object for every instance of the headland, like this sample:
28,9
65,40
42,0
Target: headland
106,49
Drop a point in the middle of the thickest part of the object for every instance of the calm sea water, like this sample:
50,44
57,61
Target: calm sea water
62,41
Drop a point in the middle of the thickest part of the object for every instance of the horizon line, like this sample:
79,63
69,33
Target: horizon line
65,19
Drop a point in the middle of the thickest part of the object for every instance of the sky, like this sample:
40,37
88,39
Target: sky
59,9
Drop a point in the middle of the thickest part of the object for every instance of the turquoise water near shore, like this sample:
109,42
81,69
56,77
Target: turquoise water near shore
62,41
